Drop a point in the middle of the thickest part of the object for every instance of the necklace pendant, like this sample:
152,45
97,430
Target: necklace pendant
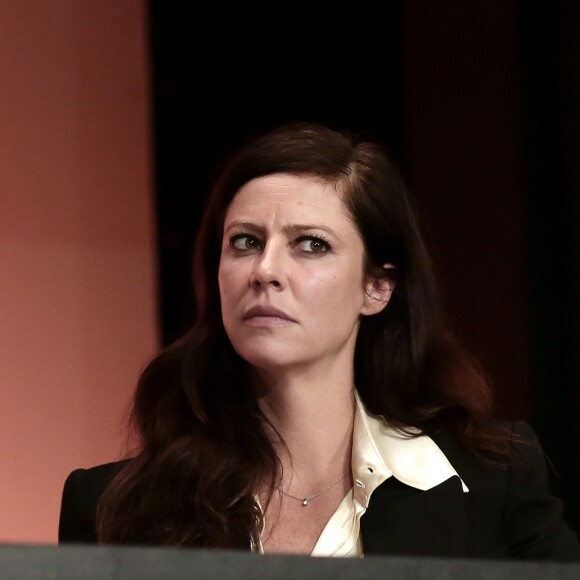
304,502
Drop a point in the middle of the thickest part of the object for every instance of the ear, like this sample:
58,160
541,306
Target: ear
378,291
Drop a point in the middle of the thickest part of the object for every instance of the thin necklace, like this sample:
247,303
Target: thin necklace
306,500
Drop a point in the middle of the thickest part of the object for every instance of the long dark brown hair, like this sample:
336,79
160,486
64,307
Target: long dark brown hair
204,452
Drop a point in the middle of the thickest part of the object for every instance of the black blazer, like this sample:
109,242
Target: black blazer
507,513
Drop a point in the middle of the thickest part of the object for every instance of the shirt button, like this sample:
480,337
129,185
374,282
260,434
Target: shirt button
360,483
370,469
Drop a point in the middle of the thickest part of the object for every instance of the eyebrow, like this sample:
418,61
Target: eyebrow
289,229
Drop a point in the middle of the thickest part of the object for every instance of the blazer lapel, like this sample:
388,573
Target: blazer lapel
403,520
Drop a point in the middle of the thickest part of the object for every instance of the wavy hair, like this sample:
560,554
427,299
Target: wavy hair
204,452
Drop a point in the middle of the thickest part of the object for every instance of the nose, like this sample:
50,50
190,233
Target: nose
270,268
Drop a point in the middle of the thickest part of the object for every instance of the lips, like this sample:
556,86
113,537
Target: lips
267,312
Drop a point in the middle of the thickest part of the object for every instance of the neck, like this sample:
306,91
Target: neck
313,413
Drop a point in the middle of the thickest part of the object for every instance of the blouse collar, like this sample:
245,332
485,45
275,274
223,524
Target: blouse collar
380,451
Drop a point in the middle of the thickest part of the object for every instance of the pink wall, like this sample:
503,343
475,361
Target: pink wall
77,291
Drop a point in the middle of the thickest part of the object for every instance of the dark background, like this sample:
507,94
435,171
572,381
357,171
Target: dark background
479,102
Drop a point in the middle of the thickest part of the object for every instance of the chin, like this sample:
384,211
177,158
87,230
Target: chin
266,356
262,360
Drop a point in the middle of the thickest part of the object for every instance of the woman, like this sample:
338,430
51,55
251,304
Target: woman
320,404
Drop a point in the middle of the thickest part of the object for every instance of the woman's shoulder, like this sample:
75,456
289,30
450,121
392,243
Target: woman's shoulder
522,454
82,491
92,481
517,493
99,473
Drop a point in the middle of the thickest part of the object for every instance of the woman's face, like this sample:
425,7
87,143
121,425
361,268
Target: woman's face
291,274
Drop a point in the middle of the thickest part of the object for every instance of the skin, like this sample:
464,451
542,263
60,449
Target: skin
290,244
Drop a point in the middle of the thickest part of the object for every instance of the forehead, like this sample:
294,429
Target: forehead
284,196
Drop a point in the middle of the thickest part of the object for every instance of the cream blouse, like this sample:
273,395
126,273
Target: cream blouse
378,452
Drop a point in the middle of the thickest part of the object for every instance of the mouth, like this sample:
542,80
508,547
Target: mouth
267,315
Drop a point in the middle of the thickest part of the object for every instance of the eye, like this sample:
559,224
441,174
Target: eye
245,242
313,245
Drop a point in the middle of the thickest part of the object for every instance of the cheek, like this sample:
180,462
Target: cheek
331,291
225,285
227,298
232,281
